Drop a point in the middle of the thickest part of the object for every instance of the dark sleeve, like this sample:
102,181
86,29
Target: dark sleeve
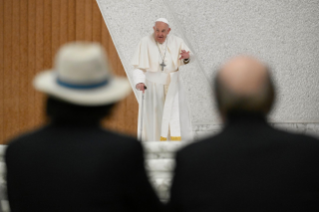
12,181
140,193
173,205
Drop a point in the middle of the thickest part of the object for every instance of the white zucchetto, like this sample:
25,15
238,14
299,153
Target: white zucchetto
164,20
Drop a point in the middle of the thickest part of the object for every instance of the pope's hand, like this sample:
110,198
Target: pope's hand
184,55
141,87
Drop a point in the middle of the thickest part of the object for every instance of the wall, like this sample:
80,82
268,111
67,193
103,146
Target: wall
31,31
282,33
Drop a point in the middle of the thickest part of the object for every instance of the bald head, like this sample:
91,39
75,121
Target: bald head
243,84
244,75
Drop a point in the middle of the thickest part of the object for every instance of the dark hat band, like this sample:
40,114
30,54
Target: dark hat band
82,86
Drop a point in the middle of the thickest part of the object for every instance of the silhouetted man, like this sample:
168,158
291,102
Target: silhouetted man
249,165
72,164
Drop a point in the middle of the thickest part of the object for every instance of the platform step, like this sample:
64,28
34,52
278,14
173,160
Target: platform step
159,162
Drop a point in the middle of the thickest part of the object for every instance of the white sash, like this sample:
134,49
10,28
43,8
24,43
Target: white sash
171,109
156,77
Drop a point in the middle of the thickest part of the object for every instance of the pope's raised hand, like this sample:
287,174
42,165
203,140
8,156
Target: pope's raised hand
184,55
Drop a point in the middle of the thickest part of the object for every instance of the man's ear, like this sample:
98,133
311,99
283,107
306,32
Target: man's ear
154,28
169,29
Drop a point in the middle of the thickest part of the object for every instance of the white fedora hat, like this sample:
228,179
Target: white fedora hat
81,75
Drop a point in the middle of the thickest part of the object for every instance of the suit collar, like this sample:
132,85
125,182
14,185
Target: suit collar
245,118
75,122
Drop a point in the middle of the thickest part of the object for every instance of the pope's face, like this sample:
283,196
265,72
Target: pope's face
161,31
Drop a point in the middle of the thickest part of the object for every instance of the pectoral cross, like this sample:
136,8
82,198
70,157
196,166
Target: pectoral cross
163,65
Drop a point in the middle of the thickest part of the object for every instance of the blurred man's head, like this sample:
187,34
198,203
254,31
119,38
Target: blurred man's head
161,30
244,85
81,84
82,76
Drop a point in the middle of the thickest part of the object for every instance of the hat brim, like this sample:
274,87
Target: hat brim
116,89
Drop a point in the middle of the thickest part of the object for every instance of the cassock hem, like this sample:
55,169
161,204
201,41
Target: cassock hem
163,139
177,138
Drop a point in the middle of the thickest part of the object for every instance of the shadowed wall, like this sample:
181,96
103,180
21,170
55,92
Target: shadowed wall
31,32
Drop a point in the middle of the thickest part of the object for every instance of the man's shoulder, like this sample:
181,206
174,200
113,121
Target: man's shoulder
25,140
198,146
122,143
28,135
289,136
120,138
301,140
97,136
293,140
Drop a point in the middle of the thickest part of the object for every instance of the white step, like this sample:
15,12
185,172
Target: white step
160,164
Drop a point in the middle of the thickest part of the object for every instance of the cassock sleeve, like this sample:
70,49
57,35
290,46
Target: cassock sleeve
140,62
138,76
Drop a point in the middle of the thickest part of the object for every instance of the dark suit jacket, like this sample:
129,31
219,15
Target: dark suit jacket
77,167
249,166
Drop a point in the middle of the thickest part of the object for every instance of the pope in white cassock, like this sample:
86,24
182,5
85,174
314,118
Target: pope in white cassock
156,68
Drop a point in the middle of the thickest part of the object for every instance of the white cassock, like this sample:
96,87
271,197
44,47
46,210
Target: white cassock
165,112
